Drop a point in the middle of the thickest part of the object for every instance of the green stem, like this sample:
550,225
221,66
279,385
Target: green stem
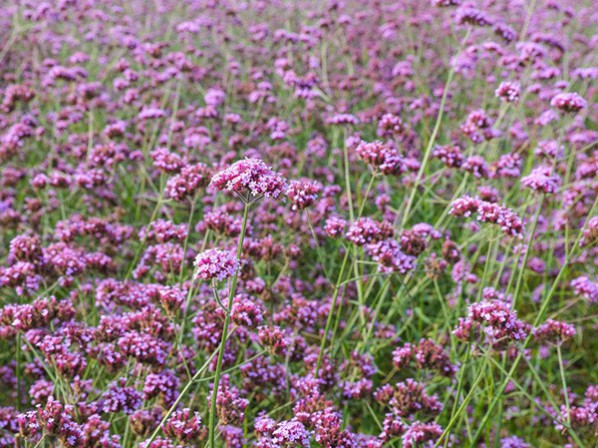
331,312
231,295
464,404
564,382
430,145
527,252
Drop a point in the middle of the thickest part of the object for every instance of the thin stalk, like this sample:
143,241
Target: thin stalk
432,140
527,252
563,381
231,295
337,287
464,404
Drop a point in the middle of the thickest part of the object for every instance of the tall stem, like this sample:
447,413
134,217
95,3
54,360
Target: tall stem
430,145
337,287
526,254
231,295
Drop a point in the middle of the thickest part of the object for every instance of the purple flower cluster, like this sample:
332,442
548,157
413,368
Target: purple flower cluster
509,92
499,322
541,179
427,354
366,231
215,264
381,156
489,212
568,102
251,176
303,193
554,331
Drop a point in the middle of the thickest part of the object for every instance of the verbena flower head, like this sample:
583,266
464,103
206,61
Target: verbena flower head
541,179
445,3
381,156
250,176
186,184
508,91
472,16
586,288
184,426
303,193
489,212
366,230
427,354
287,434
513,442
419,433
498,320
450,155
335,226
214,264
342,119
568,102
554,331
590,234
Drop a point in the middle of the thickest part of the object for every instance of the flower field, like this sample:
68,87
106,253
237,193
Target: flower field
298,223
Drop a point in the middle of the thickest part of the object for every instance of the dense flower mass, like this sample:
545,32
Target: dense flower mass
298,224
499,322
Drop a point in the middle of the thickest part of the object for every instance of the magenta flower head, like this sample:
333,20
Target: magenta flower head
214,264
506,218
541,179
590,234
568,102
184,426
303,193
445,3
508,91
472,16
342,119
381,156
250,176
554,331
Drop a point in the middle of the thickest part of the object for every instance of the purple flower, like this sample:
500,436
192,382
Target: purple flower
186,184
303,193
214,264
251,176
499,322
335,226
508,91
554,331
184,426
472,16
568,102
381,156
513,442
541,179
489,212
420,432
